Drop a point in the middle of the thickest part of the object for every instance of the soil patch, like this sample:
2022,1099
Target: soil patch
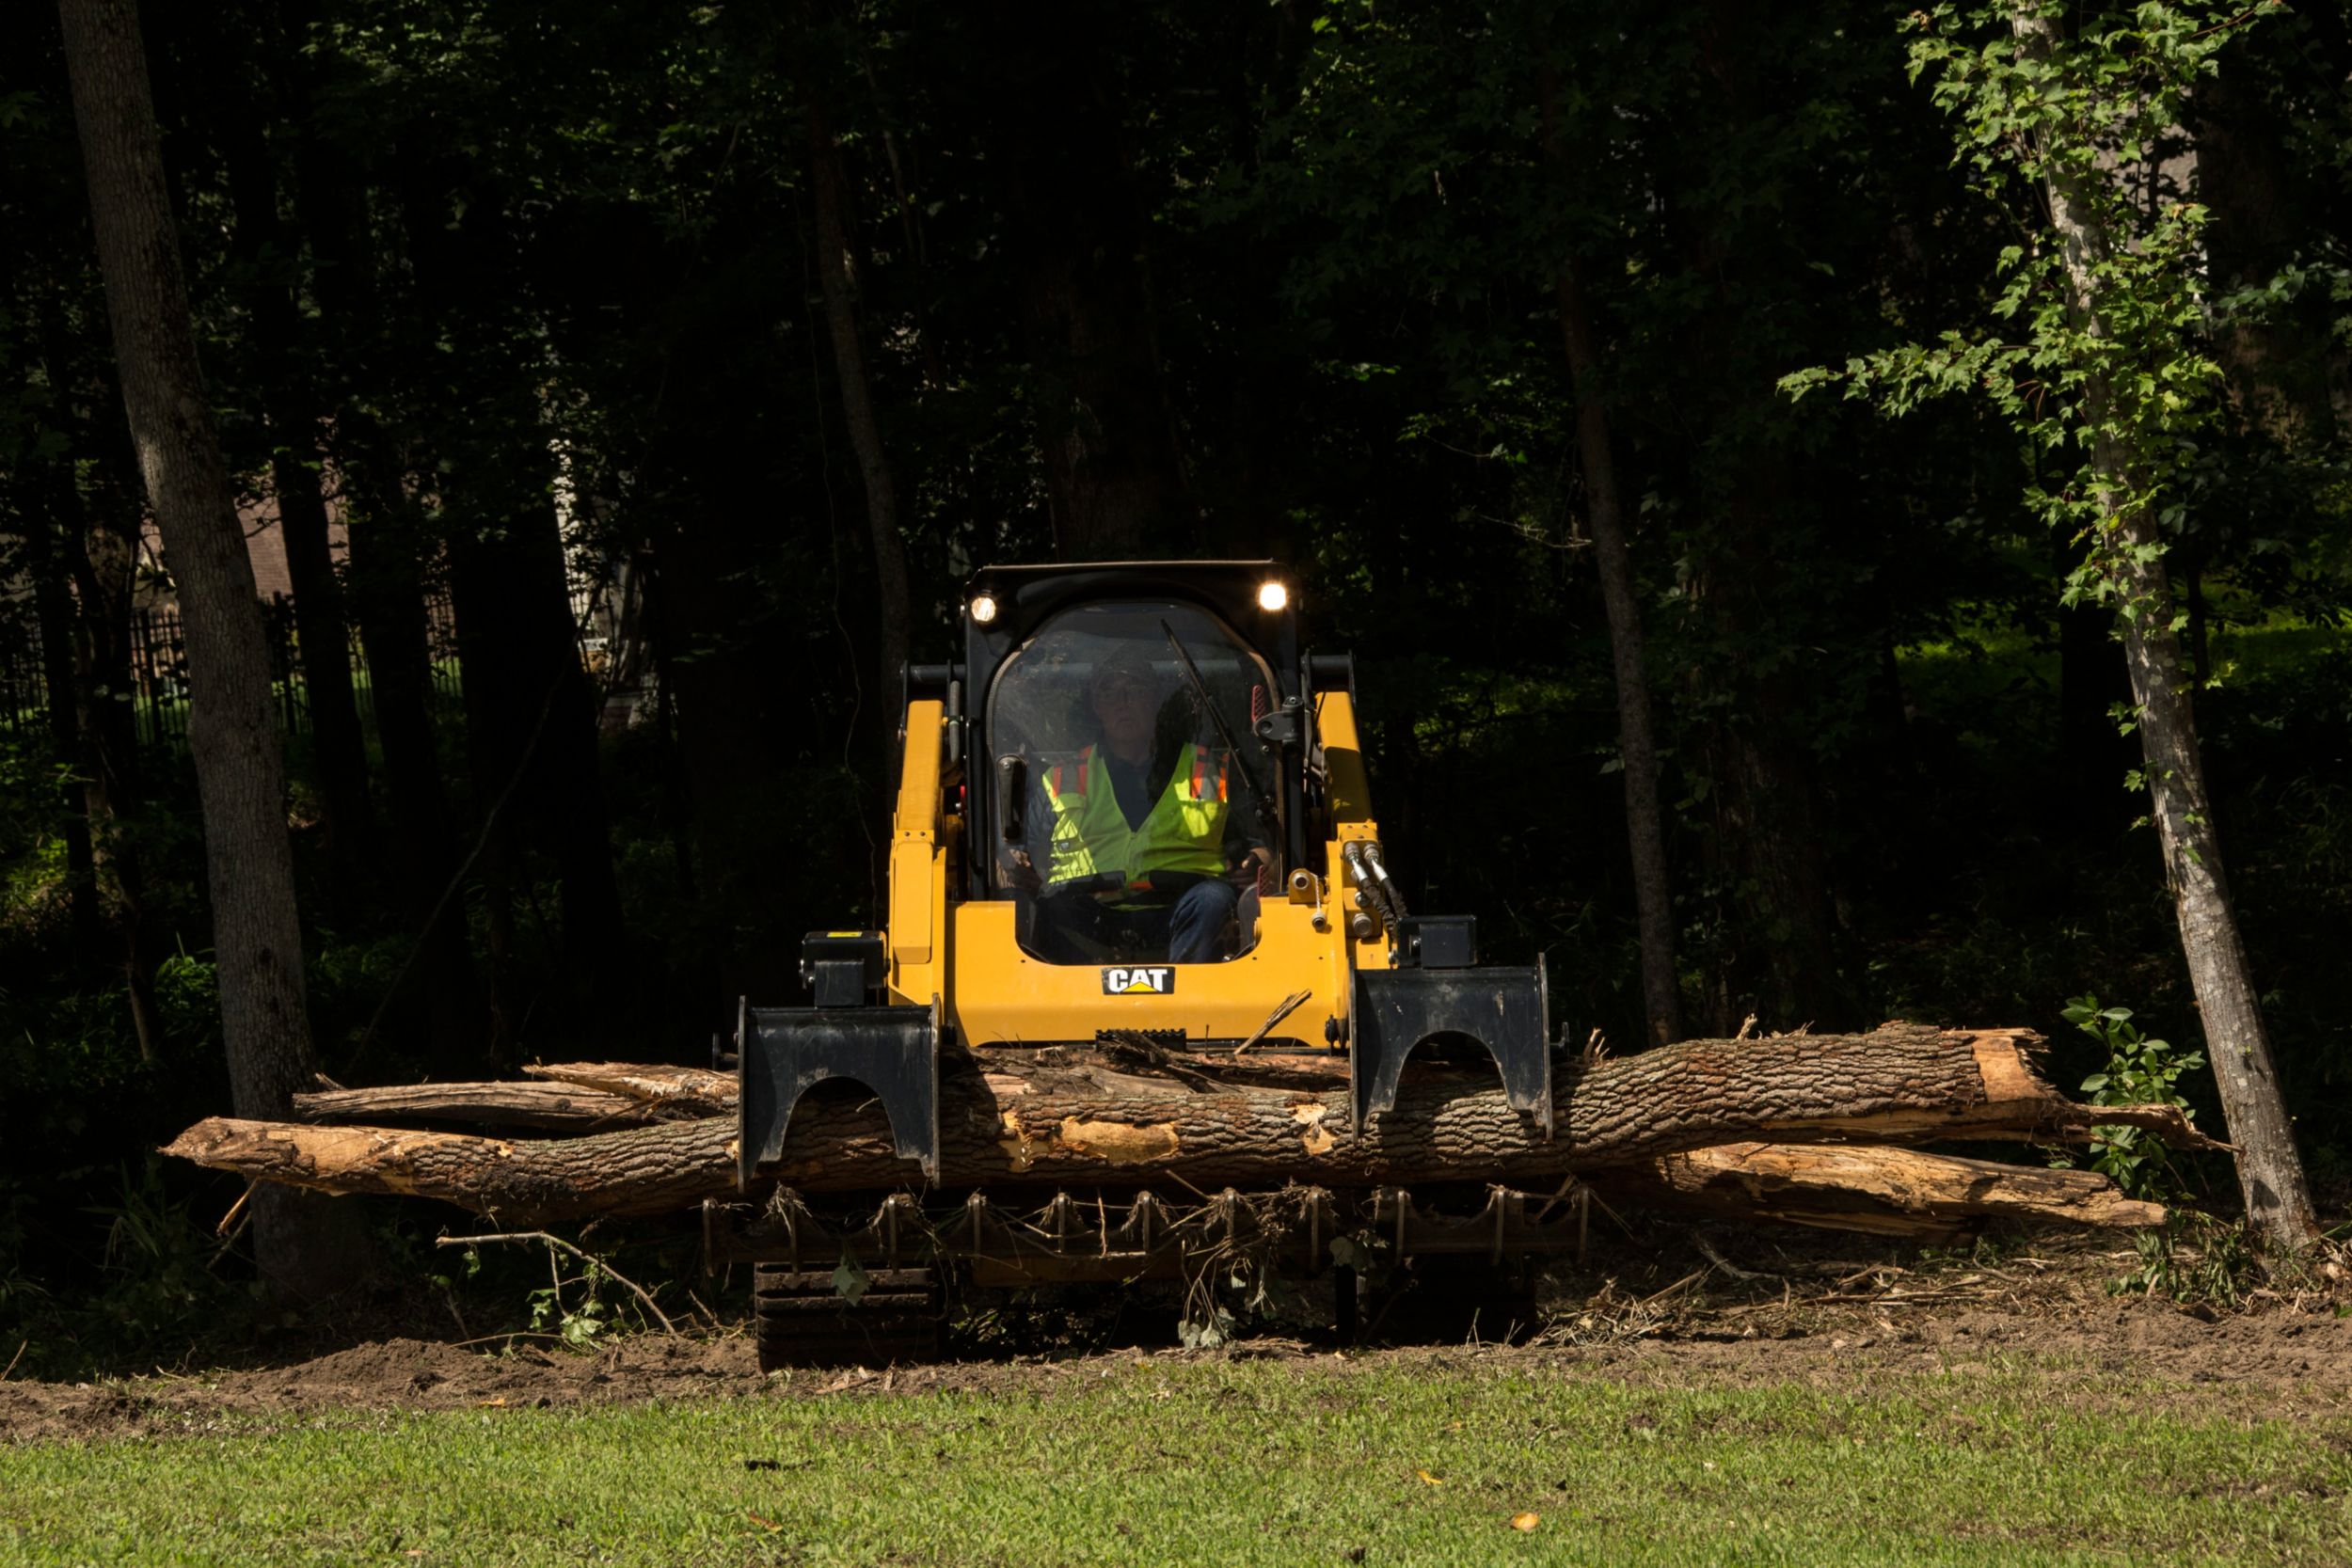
1775,1315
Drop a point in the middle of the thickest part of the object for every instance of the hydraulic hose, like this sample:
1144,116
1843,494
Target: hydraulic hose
1363,857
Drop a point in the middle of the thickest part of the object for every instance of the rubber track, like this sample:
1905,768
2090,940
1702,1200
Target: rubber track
802,1321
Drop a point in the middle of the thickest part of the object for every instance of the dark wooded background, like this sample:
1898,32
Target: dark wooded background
523,325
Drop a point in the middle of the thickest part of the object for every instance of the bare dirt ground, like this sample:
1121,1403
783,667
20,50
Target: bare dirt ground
1821,1312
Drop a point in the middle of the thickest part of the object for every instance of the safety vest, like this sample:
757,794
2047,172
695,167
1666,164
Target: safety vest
1185,832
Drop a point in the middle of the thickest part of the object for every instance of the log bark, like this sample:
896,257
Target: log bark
1061,1126
1899,1192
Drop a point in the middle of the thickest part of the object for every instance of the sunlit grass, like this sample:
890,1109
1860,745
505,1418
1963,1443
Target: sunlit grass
1232,1463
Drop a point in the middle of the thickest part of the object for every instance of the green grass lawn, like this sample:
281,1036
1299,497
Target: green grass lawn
1229,1464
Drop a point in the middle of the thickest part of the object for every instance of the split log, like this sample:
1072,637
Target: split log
575,1097
596,1097
1896,1192
689,1087
1902,1082
556,1107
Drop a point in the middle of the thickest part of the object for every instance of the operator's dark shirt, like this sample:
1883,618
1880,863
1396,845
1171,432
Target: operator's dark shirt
1138,786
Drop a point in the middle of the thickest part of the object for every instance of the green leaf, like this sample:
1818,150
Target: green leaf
851,1280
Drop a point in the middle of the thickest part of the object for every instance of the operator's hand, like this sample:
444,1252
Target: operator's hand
1022,872
1247,864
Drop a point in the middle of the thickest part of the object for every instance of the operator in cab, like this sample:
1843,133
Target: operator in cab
1148,843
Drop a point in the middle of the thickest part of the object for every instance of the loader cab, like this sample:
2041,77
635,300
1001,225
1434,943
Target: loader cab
1134,795
1181,687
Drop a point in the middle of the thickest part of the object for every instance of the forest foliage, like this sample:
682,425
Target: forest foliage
534,298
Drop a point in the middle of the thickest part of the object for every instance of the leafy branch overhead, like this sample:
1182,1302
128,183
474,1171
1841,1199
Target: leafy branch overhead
2098,348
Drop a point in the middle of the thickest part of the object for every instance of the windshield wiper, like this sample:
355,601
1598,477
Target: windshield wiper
1224,732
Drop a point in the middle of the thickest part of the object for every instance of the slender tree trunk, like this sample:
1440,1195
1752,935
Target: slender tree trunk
53,607
1653,898
232,725
828,188
532,708
103,557
336,738
440,996
2094,753
98,552
1653,895
337,744
1116,479
1767,791
386,583
2278,367
2270,1172
532,733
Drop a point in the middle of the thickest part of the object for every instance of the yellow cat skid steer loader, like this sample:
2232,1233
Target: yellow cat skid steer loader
1134,811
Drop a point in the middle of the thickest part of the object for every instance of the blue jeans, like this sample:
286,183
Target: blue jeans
1193,926
1197,921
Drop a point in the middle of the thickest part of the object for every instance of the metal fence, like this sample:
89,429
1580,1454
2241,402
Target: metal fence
24,694
159,670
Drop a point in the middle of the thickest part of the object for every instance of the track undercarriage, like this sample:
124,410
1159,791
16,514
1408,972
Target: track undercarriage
905,1250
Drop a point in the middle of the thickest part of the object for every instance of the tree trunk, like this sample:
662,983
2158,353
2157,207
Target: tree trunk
1653,895
530,721
1116,481
1019,1121
1769,839
102,555
1897,1191
1767,825
532,708
388,591
232,726
2094,753
98,552
830,196
338,747
2270,1172
52,608
2278,365
387,581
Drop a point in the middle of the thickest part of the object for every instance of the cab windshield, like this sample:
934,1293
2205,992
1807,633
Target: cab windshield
1134,819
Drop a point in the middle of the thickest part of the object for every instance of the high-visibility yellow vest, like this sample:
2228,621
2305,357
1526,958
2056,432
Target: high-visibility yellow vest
1186,830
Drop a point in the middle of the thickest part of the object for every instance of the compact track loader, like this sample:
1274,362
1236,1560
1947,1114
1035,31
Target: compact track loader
1133,815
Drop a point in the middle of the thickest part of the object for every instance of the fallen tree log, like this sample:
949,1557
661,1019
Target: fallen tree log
557,1107
1018,1122
1892,1192
688,1086
594,1096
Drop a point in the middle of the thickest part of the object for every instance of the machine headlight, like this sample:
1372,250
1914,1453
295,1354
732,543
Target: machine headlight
1272,595
983,609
